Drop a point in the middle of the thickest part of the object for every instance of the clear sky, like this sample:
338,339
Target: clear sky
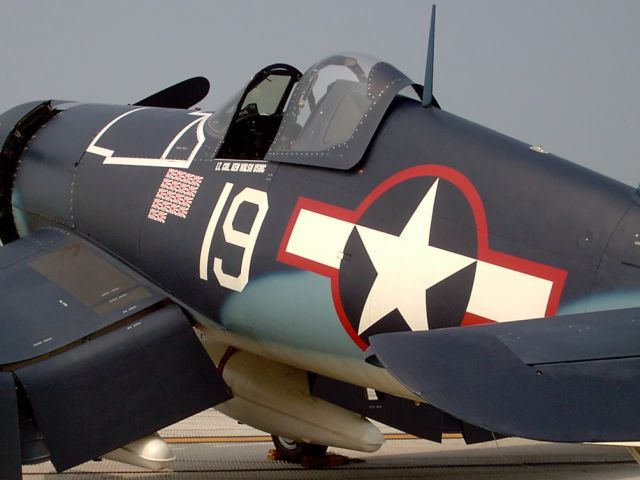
562,73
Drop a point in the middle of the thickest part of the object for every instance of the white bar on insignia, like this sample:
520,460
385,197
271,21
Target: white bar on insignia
319,238
502,294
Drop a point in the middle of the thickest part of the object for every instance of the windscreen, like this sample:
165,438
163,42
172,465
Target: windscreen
219,122
245,126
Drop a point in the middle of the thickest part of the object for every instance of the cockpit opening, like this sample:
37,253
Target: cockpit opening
325,118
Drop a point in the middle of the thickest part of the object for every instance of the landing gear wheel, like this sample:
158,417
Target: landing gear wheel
293,452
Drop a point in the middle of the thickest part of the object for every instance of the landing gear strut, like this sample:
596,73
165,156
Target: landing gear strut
293,452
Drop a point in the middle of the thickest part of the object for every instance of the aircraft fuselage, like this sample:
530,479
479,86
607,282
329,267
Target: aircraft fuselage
443,223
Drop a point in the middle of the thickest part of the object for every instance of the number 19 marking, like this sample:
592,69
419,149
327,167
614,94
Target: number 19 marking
232,236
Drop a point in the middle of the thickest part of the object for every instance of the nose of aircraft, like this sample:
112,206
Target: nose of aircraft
17,126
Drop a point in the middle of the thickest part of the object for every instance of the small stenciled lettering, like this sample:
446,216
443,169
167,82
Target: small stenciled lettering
241,167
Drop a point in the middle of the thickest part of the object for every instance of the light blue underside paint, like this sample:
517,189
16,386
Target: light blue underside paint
18,216
293,309
601,302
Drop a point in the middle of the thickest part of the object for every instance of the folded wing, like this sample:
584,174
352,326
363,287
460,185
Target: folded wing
574,378
92,356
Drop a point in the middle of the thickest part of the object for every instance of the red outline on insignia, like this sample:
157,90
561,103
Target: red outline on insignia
473,319
485,253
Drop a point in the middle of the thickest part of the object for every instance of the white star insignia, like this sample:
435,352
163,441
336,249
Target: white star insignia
407,266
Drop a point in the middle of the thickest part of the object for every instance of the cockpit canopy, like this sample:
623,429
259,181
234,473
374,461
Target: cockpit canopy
325,118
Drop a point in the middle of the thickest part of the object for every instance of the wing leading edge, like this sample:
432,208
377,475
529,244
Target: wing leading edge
566,379
92,357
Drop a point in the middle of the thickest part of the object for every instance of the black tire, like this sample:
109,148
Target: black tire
293,452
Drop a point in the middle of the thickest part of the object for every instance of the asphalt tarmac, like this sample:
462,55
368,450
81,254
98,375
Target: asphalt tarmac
211,446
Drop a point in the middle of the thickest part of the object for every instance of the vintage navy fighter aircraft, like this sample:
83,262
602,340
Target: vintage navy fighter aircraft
302,259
